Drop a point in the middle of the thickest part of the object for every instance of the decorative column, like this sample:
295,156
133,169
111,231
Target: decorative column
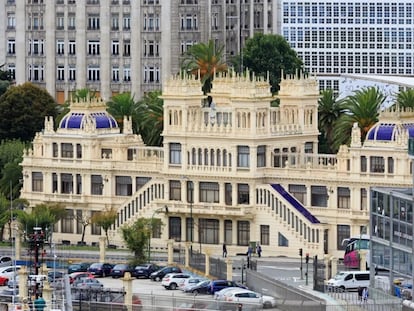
17,244
229,270
362,260
170,251
102,250
47,292
187,254
334,265
326,261
127,280
207,252
23,273
43,269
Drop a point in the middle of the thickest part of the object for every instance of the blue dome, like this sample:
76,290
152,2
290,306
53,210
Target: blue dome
77,120
389,131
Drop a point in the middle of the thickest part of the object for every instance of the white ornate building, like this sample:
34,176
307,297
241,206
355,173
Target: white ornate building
241,169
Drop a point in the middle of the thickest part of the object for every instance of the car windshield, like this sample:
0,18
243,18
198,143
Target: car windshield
339,276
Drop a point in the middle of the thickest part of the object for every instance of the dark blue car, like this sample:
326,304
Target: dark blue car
218,285
100,269
144,270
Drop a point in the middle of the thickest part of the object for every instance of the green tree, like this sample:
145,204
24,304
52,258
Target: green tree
5,215
23,109
136,237
4,85
151,122
105,220
205,59
405,98
83,94
362,108
329,111
123,105
41,215
269,53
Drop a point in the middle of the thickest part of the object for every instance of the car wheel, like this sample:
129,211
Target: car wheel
267,305
157,278
341,288
195,292
173,286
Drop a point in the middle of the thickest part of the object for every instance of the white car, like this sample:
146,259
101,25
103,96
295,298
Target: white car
219,295
9,271
174,280
249,297
190,282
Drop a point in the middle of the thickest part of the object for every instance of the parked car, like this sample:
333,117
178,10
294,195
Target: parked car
78,267
78,275
9,271
158,275
144,270
5,259
199,288
174,280
218,285
100,269
32,280
191,282
249,297
219,295
54,275
3,280
89,283
119,270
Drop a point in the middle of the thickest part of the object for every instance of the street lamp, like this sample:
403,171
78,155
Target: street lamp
158,210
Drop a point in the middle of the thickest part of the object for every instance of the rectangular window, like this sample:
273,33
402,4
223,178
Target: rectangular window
299,192
66,183
319,196
175,153
123,185
66,150
377,165
115,47
209,192
343,232
95,229
208,231
93,22
243,194
344,198
175,190
60,73
264,235
67,222
364,202
261,156
126,22
174,228
37,182
115,74
243,156
229,193
228,232
11,21
115,22
93,74
282,241
71,21
141,181
106,153
80,220
390,162
127,74
127,48
243,233
72,74
11,46
96,184
93,47
363,163
55,149
60,47
60,21
72,47
78,151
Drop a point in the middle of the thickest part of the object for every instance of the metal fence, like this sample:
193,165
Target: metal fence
218,268
198,261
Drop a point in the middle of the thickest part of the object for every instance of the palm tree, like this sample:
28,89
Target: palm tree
150,111
362,108
123,105
205,60
329,111
83,94
405,98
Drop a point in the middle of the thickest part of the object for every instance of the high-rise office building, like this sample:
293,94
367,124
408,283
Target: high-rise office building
113,46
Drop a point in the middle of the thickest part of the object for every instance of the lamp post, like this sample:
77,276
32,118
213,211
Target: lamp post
158,210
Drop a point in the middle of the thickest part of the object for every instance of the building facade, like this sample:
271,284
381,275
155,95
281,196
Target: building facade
113,46
234,171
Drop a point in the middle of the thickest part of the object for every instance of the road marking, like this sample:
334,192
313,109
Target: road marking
279,268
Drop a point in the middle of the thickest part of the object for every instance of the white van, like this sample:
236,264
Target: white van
349,280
